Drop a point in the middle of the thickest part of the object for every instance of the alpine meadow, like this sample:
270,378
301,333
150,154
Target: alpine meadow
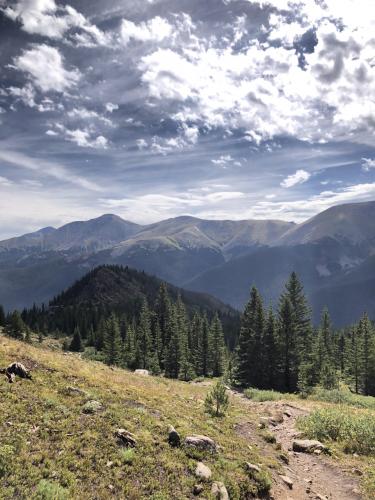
187,250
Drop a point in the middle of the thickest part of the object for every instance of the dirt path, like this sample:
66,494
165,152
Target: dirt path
313,476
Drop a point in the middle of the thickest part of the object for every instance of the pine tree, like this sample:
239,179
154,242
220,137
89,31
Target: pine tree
217,400
196,335
112,341
76,343
172,353
163,312
17,326
204,352
287,345
186,371
130,351
270,357
217,347
144,337
249,370
100,334
367,336
2,316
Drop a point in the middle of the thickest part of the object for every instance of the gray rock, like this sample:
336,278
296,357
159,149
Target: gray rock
203,472
219,491
173,437
126,438
92,407
201,442
307,445
251,468
264,422
75,390
287,481
144,373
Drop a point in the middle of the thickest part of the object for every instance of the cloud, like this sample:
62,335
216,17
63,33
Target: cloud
5,182
45,66
299,177
44,17
368,164
25,94
83,139
142,144
47,168
224,160
86,114
111,107
154,30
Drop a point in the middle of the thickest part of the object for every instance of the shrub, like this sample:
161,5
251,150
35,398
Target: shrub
127,456
259,395
47,490
6,454
343,396
355,431
217,400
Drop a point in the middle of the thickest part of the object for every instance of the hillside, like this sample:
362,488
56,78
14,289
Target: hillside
52,447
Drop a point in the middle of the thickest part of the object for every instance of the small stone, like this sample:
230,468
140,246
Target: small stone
203,472
126,438
287,481
263,422
318,452
144,373
111,487
287,413
92,407
173,437
357,472
75,390
109,463
219,491
197,489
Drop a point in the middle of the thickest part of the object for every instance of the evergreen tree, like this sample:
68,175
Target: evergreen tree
204,351
196,336
144,337
76,343
163,312
173,352
112,341
217,347
249,369
368,368
217,400
287,345
270,357
130,350
17,326
2,316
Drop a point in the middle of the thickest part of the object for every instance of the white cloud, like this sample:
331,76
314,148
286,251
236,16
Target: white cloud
154,30
299,177
46,18
5,182
45,66
368,164
25,94
142,144
83,139
51,133
110,107
46,168
86,114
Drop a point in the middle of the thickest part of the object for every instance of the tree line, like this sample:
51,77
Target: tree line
277,348
282,350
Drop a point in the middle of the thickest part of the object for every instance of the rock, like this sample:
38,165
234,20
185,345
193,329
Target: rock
317,452
251,468
203,472
75,390
144,373
126,438
357,472
92,407
197,489
219,491
201,442
287,413
276,419
264,422
173,437
287,481
307,445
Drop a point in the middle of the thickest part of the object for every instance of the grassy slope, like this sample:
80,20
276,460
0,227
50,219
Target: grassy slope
53,440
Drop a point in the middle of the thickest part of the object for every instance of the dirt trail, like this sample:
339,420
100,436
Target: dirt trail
313,476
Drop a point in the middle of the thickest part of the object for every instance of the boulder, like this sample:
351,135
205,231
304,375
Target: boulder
126,438
276,419
173,437
144,373
203,472
307,445
201,442
92,407
219,491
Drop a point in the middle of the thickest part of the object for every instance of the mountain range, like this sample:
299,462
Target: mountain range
332,252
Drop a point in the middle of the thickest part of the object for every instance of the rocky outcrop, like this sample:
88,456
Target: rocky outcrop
202,472
308,446
92,407
144,373
219,491
126,438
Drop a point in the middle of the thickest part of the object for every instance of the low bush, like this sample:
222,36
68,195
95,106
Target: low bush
355,431
262,395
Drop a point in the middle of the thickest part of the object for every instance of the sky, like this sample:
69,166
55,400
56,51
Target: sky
150,109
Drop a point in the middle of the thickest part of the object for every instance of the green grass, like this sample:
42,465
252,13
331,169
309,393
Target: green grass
51,449
343,396
353,430
259,395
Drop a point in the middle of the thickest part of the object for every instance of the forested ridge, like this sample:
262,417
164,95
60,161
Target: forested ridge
275,348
